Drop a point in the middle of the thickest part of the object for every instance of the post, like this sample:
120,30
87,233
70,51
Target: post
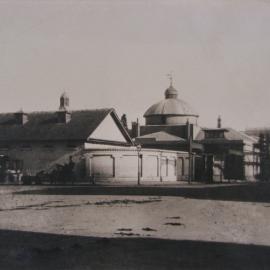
138,128
139,167
160,167
190,165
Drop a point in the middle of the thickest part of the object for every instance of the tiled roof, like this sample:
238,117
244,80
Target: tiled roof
229,135
43,126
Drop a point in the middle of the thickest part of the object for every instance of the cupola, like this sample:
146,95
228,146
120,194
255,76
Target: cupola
63,115
64,102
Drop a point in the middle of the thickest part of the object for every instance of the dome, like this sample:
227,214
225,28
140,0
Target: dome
170,111
171,105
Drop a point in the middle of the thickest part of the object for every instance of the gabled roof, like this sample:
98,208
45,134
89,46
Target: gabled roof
44,126
229,135
161,136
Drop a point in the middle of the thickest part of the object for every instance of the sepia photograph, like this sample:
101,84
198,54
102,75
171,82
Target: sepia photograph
134,134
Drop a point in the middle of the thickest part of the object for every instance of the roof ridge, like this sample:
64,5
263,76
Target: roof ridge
54,111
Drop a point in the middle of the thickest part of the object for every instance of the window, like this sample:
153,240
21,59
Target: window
213,134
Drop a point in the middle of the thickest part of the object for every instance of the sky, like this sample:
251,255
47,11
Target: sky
118,54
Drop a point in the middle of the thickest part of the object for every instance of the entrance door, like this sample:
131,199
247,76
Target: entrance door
180,169
209,168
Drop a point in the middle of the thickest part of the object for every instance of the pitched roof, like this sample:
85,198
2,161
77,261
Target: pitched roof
229,135
161,136
44,126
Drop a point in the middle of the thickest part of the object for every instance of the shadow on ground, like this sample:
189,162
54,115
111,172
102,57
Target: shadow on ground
248,192
28,250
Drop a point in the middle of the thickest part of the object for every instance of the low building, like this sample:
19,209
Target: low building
121,165
95,140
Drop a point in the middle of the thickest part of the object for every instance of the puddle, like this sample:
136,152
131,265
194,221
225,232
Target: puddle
174,224
124,230
127,234
147,229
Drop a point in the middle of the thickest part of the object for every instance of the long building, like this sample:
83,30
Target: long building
171,146
95,140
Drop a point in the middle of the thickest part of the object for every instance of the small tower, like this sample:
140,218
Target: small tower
64,102
63,115
219,122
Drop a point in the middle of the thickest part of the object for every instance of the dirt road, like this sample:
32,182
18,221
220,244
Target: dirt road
199,227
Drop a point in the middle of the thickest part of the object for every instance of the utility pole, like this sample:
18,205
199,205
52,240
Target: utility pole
190,165
190,162
139,148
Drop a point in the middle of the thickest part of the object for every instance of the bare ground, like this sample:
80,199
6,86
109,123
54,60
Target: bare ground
180,227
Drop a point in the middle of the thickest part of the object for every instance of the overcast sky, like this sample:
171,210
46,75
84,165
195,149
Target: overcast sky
117,54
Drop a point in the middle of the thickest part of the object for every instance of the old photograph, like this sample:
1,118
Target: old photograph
134,134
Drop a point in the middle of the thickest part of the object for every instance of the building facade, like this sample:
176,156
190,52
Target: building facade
229,154
214,154
95,140
121,165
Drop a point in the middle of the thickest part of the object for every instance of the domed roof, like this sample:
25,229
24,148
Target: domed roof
171,105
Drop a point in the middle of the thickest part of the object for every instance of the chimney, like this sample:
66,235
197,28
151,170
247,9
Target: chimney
219,122
189,130
135,129
138,128
21,117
